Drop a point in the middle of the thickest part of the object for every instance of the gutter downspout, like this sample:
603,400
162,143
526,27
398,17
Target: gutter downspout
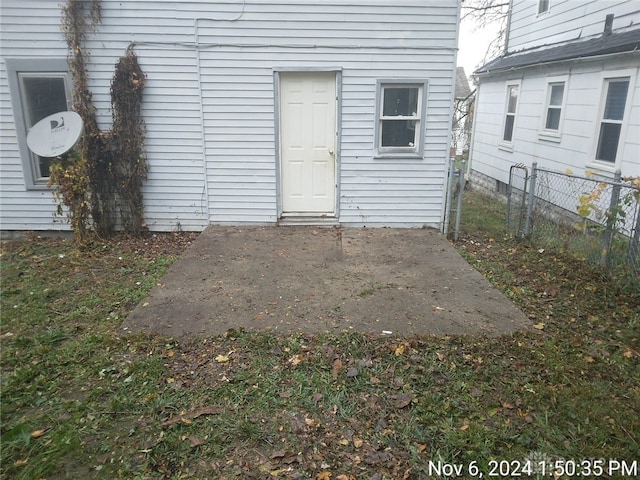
205,189
508,28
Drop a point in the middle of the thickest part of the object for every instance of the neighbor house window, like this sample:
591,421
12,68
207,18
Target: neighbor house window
401,113
510,114
555,97
612,118
543,6
553,113
39,88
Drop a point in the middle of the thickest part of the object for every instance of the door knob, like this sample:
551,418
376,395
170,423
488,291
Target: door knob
331,152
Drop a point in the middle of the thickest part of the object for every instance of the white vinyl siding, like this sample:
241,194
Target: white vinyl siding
209,102
583,111
566,20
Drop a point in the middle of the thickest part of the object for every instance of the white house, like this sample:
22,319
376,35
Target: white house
566,94
256,111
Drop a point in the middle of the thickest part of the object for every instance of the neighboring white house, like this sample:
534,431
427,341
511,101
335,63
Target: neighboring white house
462,114
566,94
256,112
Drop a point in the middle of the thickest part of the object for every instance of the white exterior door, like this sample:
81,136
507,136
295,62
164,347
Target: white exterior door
308,143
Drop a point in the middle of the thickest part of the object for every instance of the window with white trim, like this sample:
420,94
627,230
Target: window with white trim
39,88
543,6
510,112
401,117
612,119
555,102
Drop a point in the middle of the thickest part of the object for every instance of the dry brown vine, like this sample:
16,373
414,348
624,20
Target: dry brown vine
130,165
114,166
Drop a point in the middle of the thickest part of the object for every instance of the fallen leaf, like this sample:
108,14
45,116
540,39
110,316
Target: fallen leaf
421,447
357,442
37,433
195,441
19,463
222,359
186,417
403,399
399,350
296,359
337,368
352,372
441,356
539,326
464,427
476,392
326,475
628,354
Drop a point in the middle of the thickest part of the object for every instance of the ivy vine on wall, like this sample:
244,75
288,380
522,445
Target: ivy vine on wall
106,174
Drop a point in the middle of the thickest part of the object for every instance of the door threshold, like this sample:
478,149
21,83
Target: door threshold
308,220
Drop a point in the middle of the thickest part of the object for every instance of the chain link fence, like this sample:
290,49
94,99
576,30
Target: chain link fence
594,219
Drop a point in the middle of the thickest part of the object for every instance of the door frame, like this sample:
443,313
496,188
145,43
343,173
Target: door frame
338,141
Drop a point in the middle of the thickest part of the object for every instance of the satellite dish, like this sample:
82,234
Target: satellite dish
55,134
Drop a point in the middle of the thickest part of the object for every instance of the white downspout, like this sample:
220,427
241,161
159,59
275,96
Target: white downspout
205,189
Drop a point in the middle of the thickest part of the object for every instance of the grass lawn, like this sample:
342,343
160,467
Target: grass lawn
79,400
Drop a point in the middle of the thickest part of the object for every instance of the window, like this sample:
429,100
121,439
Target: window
553,114
543,6
554,106
510,115
401,110
39,87
612,118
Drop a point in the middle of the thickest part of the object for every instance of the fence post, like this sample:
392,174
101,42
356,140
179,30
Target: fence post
634,243
532,196
459,207
447,209
612,216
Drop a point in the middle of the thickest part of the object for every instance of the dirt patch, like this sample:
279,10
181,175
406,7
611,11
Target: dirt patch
403,281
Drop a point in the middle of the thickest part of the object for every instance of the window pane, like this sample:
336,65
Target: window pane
557,91
508,128
543,6
608,141
399,133
553,119
513,98
616,98
44,96
400,101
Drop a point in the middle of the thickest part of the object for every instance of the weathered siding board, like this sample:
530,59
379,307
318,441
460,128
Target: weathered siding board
209,103
566,20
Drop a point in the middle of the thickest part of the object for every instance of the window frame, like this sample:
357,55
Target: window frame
503,143
417,151
17,70
554,134
607,79
541,3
